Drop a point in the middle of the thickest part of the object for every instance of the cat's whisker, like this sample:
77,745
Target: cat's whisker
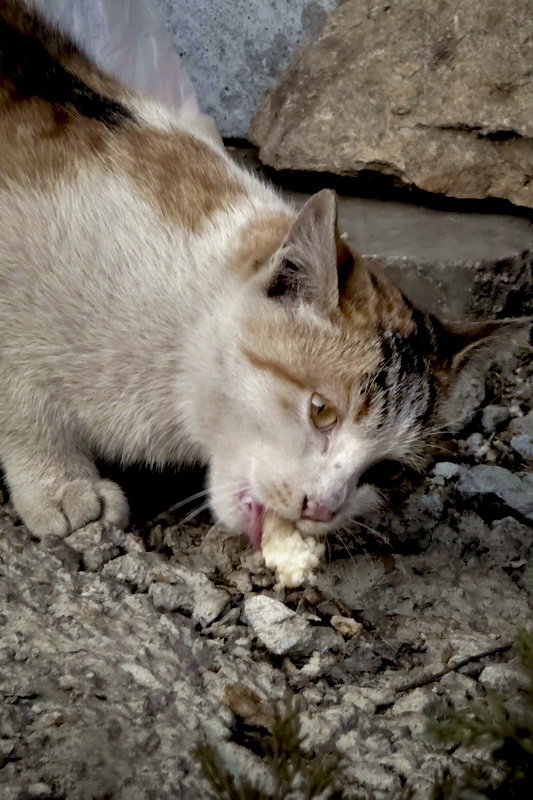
350,554
172,509
444,426
440,448
359,542
194,514
180,504
379,536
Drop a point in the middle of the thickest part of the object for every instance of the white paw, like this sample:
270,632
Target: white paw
76,504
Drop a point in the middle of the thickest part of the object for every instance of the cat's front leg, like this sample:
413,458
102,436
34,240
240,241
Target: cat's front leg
58,491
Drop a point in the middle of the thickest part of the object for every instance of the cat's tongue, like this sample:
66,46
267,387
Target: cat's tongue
254,524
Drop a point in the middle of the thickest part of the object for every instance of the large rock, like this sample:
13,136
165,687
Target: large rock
454,263
436,94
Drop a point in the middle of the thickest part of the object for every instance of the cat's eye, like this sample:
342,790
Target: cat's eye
323,413
385,474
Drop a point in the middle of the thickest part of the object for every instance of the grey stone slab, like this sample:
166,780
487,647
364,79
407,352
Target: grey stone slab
234,50
457,263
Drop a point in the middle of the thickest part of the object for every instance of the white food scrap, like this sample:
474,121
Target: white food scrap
347,626
293,557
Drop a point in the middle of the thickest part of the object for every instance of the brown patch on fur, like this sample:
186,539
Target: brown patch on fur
259,240
285,403
369,296
43,134
278,369
29,21
333,362
362,409
188,179
40,143
347,262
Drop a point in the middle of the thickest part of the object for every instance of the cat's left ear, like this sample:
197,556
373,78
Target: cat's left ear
313,262
459,342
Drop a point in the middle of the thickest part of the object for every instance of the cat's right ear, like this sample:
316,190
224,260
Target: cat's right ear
313,262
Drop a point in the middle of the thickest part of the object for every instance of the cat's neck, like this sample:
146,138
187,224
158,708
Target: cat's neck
193,331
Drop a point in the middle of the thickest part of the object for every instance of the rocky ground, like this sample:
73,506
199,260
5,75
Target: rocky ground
120,652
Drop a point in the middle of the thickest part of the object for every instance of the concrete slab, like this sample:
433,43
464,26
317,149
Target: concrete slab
234,50
454,262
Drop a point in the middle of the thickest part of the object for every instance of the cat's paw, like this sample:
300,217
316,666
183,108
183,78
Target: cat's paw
78,502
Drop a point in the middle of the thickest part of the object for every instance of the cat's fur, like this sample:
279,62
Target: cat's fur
160,304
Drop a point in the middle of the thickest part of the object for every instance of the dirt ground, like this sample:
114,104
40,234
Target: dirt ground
120,652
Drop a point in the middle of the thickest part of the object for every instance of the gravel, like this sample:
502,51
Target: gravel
281,630
493,417
119,652
515,490
523,445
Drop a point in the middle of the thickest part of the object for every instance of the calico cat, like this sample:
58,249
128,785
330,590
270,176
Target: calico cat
159,304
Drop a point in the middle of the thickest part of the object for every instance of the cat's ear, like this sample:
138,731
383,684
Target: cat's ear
459,342
313,262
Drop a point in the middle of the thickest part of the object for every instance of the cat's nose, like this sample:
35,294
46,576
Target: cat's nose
318,512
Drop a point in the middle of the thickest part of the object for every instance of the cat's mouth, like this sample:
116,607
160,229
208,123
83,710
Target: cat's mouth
255,514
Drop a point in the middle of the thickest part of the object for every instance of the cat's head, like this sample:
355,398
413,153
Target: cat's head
329,384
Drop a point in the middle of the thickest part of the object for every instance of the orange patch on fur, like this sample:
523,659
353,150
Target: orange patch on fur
370,297
362,409
44,144
279,370
259,240
188,179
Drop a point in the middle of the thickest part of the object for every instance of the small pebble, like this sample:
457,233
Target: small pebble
503,678
446,470
39,790
493,417
347,626
474,445
281,630
523,423
523,445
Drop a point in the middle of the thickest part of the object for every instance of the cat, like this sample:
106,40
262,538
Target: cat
160,304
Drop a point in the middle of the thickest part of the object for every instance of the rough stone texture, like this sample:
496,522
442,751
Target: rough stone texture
493,417
451,262
438,95
279,629
119,651
513,490
523,444
235,50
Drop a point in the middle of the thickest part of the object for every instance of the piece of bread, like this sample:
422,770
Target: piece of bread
293,557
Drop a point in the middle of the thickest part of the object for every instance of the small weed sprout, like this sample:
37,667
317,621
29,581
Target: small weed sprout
507,728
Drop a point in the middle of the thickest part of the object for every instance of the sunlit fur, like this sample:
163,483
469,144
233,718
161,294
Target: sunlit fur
159,304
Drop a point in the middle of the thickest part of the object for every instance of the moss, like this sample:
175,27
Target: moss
506,728
296,775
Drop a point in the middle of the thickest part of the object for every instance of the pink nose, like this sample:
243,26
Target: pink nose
316,511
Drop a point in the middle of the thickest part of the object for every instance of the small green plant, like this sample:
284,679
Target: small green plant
295,775
507,729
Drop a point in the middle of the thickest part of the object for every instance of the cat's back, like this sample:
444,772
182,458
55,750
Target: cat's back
60,113
101,190
67,126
